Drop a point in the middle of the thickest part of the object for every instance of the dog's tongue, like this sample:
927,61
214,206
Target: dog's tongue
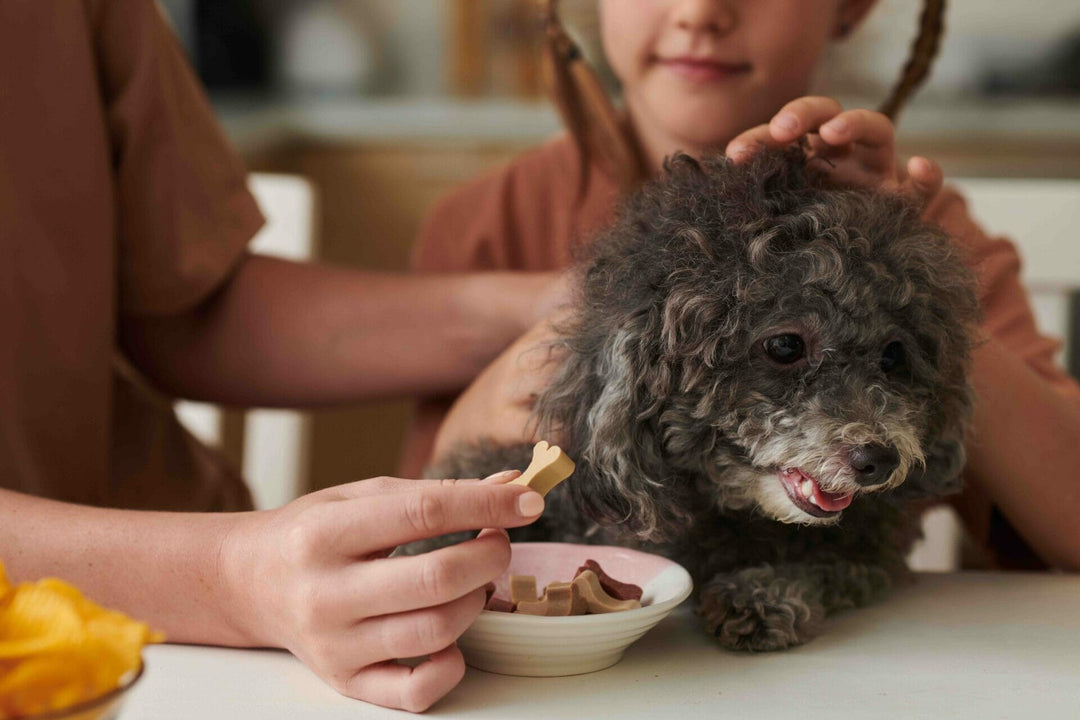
830,502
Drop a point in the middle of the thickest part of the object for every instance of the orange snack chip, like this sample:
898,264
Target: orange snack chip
58,649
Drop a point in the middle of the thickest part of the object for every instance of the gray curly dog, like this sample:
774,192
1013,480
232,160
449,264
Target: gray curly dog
764,379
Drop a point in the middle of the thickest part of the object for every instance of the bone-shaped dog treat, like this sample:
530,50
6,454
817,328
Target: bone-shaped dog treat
615,588
522,589
557,600
599,601
549,467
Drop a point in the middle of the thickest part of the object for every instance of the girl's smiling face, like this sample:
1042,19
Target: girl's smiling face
695,73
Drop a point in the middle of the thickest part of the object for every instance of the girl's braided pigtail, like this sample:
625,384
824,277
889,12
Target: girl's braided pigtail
585,108
923,50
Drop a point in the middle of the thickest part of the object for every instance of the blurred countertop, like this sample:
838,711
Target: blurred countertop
254,124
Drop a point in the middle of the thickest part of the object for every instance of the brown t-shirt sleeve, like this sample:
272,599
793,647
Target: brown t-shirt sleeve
184,213
469,229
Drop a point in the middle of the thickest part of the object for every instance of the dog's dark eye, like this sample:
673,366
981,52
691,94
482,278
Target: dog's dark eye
893,358
784,349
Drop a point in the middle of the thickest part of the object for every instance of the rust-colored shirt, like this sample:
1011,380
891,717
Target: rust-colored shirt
527,216
119,196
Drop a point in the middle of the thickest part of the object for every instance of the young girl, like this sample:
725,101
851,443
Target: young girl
730,75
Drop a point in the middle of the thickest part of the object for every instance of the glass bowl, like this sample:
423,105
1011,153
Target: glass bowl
103,707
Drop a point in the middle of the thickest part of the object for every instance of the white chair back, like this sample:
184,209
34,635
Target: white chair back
1043,218
275,444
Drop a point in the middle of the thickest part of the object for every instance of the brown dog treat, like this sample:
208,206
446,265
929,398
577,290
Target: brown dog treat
599,601
522,589
615,588
499,604
549,467
557,601
578,604
531,607
489,590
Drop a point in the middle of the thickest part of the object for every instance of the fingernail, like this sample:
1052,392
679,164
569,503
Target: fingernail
787,122
530,504
501,477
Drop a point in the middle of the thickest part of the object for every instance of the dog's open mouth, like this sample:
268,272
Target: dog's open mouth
808,496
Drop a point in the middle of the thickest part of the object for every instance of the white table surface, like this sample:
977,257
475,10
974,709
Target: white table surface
975,645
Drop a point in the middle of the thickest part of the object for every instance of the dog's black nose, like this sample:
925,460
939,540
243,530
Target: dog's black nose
873,464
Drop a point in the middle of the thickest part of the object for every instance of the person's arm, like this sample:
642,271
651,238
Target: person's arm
313,577
290,334
1024,451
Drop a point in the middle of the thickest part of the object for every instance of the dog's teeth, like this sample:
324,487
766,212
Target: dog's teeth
807,489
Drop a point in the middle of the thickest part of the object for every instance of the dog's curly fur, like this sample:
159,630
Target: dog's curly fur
741,331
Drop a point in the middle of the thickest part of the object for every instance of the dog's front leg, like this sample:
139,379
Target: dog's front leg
773,607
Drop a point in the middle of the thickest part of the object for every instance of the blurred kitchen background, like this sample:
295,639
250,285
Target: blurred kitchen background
386,104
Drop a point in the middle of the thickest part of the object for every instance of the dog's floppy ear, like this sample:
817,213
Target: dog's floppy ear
605,405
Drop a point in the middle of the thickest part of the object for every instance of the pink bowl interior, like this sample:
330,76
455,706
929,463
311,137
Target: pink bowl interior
557,562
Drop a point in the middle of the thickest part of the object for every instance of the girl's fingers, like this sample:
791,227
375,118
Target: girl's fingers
925,177
864,127
414,689
796,119
802,116
402,584
746,143
867,137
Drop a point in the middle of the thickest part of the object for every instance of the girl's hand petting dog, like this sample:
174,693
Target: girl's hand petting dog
498,405
860,144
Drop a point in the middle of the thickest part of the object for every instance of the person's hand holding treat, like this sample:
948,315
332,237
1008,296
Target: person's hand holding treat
860,145
315,577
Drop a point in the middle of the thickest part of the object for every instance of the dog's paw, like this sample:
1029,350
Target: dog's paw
758,611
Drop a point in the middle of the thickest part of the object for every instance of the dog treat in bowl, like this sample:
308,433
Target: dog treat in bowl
586,593
522,589
614,588
596,599
560,599
549,467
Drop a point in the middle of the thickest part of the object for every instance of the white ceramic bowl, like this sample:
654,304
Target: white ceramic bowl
515,644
